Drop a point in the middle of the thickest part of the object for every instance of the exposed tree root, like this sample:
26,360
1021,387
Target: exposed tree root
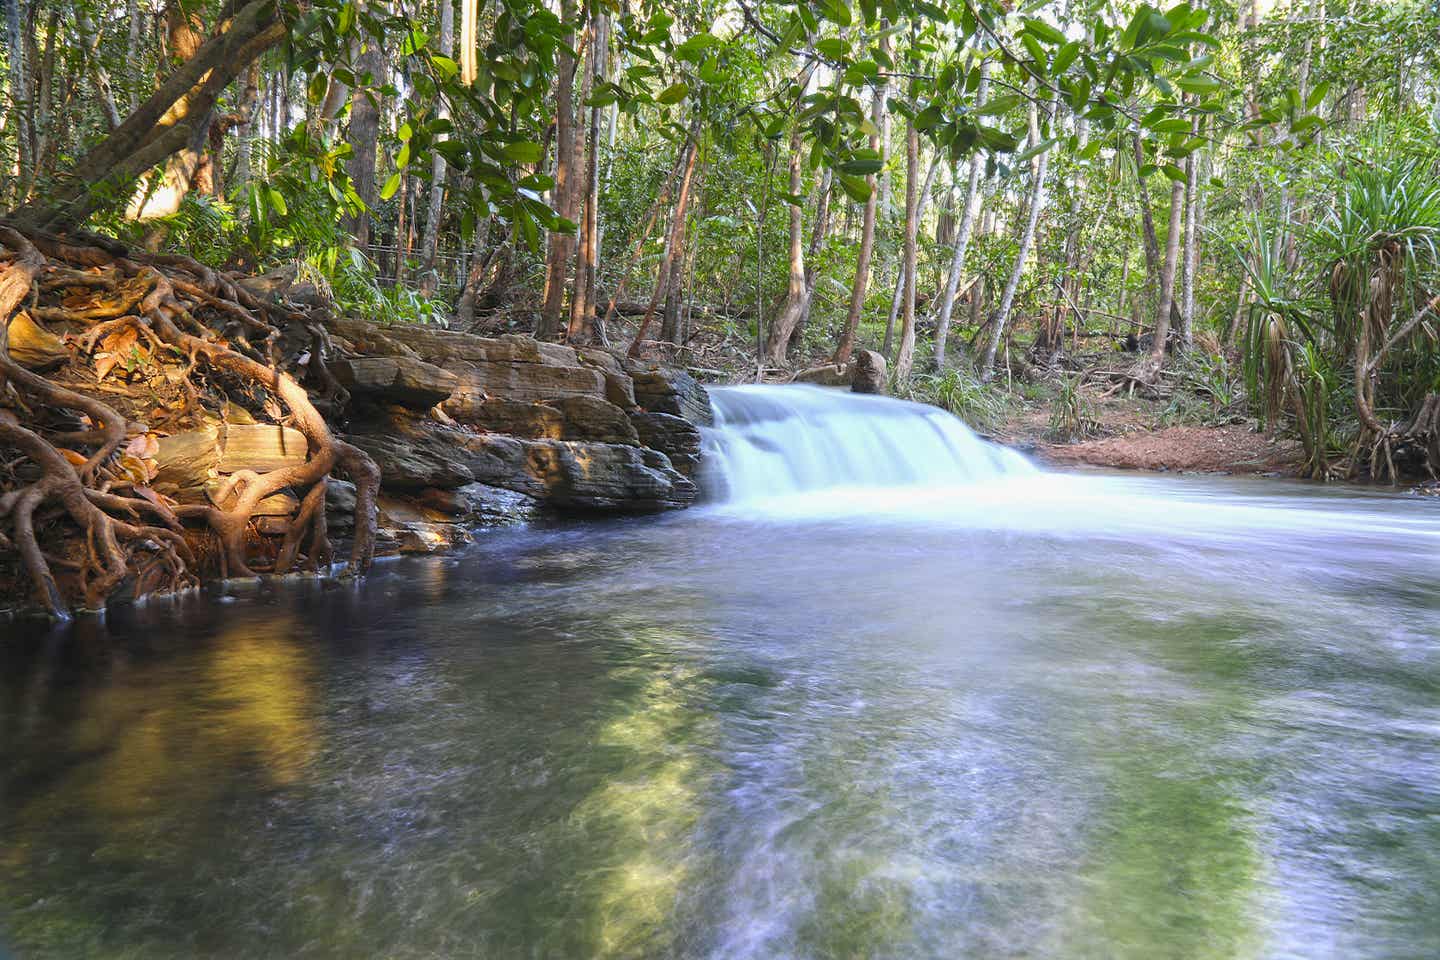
221,330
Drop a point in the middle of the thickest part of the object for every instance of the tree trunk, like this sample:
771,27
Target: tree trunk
1192,249
103,88
902,277
364,139
163,124
1167,279
905,359
582,300
677,227
562,245
245,129
650,218
812,256
867,243
682,258
789,314
962,239
1027,239
430,245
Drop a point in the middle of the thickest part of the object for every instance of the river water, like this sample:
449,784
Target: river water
876,704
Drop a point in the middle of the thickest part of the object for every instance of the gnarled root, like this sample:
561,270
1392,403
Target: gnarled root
160,298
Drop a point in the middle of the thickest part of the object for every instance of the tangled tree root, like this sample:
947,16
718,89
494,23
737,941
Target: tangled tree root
218,328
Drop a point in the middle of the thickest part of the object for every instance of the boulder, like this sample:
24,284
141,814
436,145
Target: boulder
676,437
867,372
402,380
672,391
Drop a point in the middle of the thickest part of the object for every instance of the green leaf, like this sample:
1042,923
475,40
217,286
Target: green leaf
1173,172
1066,56
1044,31
1034,151
446,67
998,105
1198,85
319,82
674,93
693,50
524,151
1317,96
836,11
860,167
856,188
391,185
277,201
1172,125
414,42
832,47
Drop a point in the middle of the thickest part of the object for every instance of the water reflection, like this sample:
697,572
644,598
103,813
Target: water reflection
1155,729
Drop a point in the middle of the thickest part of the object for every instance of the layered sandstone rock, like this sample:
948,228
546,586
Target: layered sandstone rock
563,428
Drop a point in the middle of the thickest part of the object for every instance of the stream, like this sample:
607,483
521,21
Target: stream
894,692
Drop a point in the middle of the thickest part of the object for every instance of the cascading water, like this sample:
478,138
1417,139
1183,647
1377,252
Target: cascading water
775,441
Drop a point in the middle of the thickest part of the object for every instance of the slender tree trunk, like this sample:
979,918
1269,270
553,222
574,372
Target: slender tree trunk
962,239
905,359
245,128
867,243
818,233
1167,280
794,303
901,278
430,244
364,138
1068,288
1027,238
682,259
103,88
1192,249
677,227
15,30
562,245
582,301
650,219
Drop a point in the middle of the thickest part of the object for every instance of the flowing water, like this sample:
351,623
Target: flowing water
899,695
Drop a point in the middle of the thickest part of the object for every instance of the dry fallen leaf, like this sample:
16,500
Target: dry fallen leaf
76,459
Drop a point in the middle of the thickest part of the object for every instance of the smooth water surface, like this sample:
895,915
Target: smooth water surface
1037,715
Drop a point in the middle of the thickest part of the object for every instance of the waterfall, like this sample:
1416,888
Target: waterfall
774,441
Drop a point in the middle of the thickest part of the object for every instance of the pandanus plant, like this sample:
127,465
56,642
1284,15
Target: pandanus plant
1364,322
1380,238
1284,361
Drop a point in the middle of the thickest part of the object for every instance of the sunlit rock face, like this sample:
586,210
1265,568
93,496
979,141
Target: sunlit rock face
573,430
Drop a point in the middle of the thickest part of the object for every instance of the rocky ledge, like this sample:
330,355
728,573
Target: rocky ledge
470,431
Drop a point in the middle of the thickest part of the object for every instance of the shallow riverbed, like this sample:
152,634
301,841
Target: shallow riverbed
1044,716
